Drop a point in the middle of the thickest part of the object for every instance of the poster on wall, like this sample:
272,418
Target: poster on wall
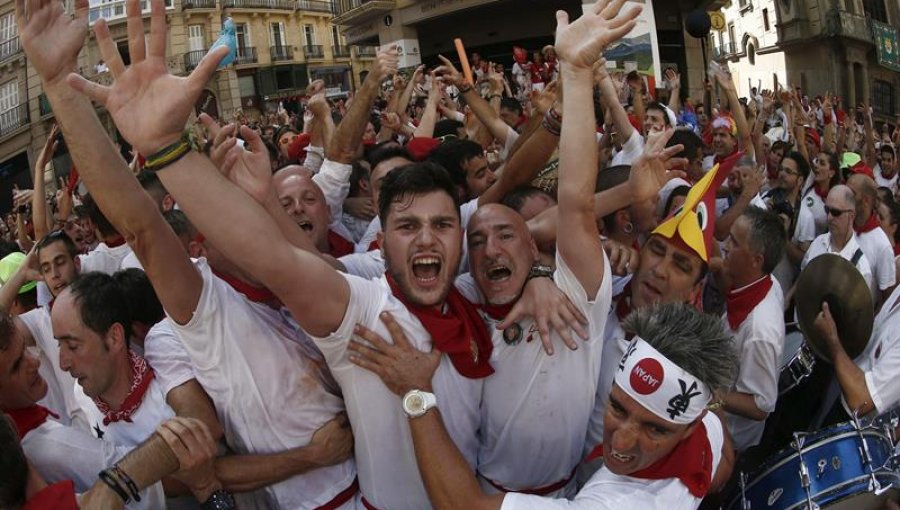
886,38
639,49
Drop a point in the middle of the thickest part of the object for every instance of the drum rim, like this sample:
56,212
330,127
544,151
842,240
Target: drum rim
859,480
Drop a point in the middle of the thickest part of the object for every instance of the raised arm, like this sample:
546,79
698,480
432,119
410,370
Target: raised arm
610,99
425,129
482,109
43,221
674,80
578,46
737,111
52,42
150,107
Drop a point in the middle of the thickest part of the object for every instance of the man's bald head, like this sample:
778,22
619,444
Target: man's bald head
501,252
304,201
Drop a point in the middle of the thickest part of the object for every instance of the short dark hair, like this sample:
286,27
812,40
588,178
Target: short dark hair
802,164
57,236
445,127
411,180
7,247
516,198
101,302
511,103
607,179
452,155
180,223
677,191
142,301
7,330
386,152
887,148
692,143
287,128
150,181
359,172
656,105
14,464
766,236
96,215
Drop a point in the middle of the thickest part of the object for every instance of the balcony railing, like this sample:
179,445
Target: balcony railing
246,55
9,47
340,51
365,51
44,107
112,11
316,6
345,6
198,4
844,24
260,4
314,51
724,51
192,59
13,119
279,53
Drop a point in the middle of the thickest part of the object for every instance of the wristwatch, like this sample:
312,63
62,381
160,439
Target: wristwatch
540,271
418,402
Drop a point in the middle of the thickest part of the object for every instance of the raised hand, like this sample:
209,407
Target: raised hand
449,72
579,44
768,104
673,78
51,38
386,63
249,170
551,310
315,87
318,105
648,172
149,106
723,76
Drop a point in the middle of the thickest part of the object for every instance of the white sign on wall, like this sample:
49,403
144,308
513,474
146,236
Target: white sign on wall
410,56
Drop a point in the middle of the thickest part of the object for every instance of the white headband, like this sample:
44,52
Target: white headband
661,386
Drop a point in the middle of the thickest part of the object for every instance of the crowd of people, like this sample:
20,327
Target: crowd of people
566,291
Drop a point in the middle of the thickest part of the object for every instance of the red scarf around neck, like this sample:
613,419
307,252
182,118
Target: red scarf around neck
739,303
338,246
821,191
496,312
690,462
460,333
726,163
255,294
115,243
59,496
141,376
871,224
29,418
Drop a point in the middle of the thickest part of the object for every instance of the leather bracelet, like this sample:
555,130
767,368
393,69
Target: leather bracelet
465,88
129,483
169,154
112,482
220,500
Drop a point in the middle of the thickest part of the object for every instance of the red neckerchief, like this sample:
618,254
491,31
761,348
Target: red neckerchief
115,243
823,193
623,305
726,163
771,172
29,418
496,312
739,303
871,224
59,496
690,462
338,246
255,294
141,375
461,333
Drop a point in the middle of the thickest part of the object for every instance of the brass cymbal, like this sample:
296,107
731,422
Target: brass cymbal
832,279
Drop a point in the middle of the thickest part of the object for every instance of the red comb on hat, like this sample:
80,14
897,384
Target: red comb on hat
813,135
295,149
863,169
420,147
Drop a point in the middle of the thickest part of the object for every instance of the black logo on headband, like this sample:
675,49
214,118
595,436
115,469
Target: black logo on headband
680,403
628,352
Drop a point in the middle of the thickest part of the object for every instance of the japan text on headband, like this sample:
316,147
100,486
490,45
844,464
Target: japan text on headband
661,386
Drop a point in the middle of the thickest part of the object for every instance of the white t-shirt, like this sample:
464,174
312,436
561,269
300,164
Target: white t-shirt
759,342
608,491
614,345
877,247
535,408
333,179
822,244
268,386
168,357
631,150
62,453
388,474
881,359
366,265
104,259
511,137
152,412
811,205
60,396
882,182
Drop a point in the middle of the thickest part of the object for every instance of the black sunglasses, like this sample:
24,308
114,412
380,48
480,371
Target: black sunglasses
835,212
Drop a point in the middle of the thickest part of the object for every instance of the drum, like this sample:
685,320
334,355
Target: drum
797,362
849,466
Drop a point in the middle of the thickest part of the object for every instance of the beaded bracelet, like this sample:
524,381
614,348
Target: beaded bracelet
113,483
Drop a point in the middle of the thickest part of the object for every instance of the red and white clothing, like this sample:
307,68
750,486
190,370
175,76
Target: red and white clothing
269,387
822,244
608,491
166,354
60,453
388,475
60,396
881,359
877,247
104,258
885,182
754,318
333,179
631,150
811,219
366,265
535,408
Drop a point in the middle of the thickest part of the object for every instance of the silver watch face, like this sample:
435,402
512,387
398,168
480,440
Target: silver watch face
415,403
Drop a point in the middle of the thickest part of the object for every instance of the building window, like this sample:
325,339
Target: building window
278,35
309,35
876,10
7,27
335,35
9,102
766,19
732,40
195,38
247,86
242,32
883,97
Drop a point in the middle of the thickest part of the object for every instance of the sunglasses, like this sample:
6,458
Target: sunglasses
835,212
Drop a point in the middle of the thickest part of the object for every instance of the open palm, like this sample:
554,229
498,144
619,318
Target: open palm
149,106
579,44
50,37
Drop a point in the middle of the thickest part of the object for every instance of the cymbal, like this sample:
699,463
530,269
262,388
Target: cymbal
832,279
